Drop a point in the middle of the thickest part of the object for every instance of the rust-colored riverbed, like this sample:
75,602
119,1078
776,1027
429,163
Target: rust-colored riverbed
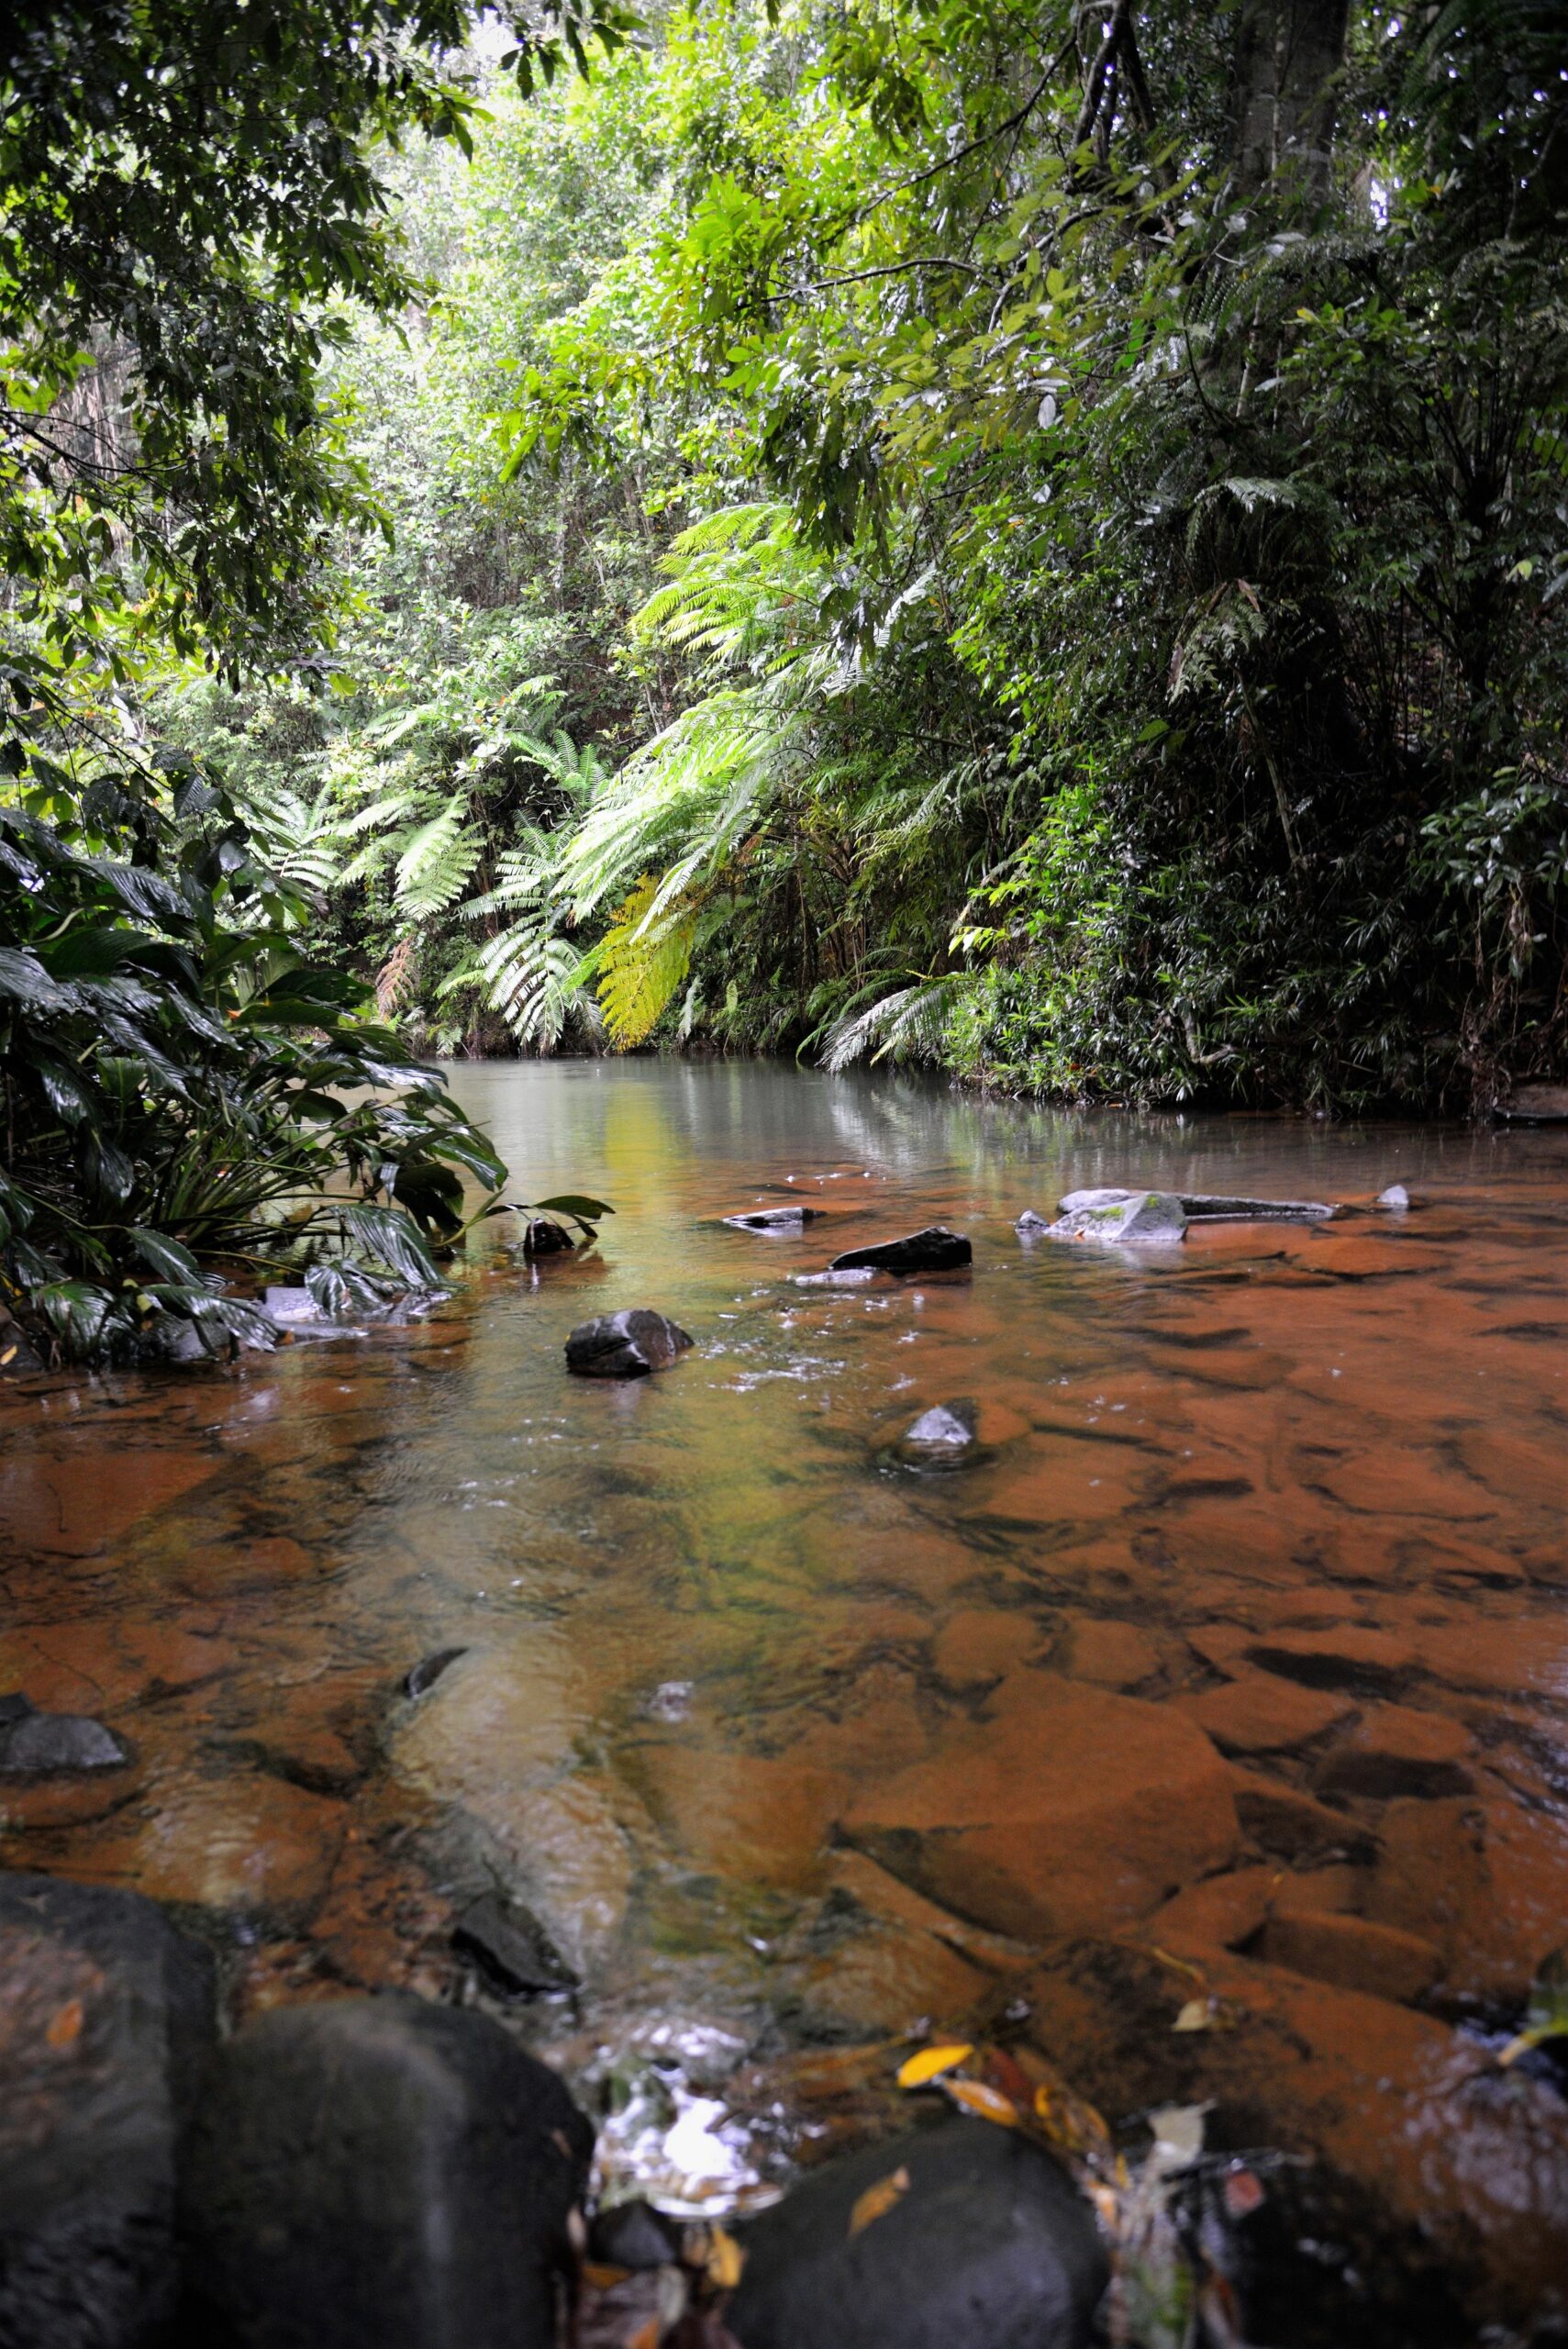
1234,1670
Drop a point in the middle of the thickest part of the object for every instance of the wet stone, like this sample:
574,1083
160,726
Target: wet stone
35,1744
625,1345
1395,1197
1261,1714
428,1670
1393,1750
1291,1824
635,2235
934,1250
785,1220
947,1436
541,1237
1069,1806
1141,1219
1351,1953
106,2013
1113,1654
984,2239
512,1948
1349,1656
371,2171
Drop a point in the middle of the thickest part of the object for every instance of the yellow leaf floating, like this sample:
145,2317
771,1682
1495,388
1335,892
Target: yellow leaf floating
878,2199
990,2104
931,2064
1195,2016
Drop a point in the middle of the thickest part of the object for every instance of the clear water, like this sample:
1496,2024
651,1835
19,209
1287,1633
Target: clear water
703,1612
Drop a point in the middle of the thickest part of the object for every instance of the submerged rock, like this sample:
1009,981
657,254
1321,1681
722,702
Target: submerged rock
1139,1220
1069,1806
625,1345
35,1744
775,1219
377,2170
977,2240
106,2013
512,1947
934,1250
1442,2182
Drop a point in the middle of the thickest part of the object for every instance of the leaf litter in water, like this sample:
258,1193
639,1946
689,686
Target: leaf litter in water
878,2199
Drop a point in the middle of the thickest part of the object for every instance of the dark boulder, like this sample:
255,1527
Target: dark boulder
512,1948
541,1237
625,1345
981,2242
107,2016
35,1745
375,2173
934,1250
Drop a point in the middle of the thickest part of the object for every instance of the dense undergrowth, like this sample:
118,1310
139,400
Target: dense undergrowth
927,533
1029,543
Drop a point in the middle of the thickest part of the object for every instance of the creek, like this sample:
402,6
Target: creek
1265,1533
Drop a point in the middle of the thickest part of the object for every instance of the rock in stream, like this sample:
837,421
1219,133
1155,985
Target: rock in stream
981,2242
377,2171
107,2015
934,1250
625,1345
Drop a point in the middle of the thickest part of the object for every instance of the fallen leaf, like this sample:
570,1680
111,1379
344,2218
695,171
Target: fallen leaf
1546,2016
1243,2193
725,2260
65,2029
601,2277
988,2103
878,2199
931,2064
1206,2014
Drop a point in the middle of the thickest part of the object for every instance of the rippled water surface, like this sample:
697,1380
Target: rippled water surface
1299,1488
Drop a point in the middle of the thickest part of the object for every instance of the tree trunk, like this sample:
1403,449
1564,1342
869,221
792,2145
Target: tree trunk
1288,55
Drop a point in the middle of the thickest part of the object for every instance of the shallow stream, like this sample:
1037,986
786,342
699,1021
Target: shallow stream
1302,1486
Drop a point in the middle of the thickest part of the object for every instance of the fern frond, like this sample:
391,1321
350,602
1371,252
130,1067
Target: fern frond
642,959
438,863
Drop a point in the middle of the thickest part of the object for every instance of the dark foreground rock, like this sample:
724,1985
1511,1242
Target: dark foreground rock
935,1250
35,1744
625,1345
107,2015
984,2243
379,2174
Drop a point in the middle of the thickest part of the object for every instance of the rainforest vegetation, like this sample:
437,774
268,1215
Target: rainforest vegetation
1028,539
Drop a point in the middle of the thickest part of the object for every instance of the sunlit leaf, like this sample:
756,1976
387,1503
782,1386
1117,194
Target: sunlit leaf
929,2065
